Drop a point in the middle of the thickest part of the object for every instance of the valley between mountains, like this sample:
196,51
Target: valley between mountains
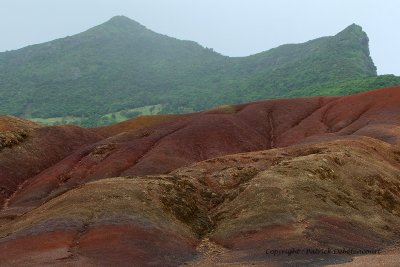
219,187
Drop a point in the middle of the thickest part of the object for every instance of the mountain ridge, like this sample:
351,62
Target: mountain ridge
122,65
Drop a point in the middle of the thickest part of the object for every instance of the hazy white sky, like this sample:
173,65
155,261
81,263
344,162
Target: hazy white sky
231,27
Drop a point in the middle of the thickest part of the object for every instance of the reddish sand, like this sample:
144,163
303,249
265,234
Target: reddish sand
333,180
172,142
38,149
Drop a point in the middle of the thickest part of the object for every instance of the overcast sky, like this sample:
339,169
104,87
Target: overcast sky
230,27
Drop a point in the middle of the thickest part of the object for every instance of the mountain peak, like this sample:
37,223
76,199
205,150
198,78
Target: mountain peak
357,41
120,19
354,27
352,30
122,22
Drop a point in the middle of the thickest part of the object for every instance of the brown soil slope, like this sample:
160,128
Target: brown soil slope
27,148
342,194
287,173
169,143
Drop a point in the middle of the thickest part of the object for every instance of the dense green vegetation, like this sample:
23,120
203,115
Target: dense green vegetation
348,87
120,66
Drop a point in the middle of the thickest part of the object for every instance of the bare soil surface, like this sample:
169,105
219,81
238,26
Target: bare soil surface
234,186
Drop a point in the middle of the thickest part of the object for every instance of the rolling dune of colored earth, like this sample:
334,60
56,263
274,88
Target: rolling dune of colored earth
284,182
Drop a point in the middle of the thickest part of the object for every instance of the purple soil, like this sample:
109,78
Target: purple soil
333,180
41,148
182,140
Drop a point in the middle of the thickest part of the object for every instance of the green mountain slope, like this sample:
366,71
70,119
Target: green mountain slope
121,65
109,67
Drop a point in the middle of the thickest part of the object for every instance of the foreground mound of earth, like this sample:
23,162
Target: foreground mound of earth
288,182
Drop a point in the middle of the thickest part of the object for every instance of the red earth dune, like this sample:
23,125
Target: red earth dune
306,173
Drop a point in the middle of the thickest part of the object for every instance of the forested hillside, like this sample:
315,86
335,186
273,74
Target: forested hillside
121,66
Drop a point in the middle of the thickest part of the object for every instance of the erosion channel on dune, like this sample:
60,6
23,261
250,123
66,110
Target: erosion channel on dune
284,182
